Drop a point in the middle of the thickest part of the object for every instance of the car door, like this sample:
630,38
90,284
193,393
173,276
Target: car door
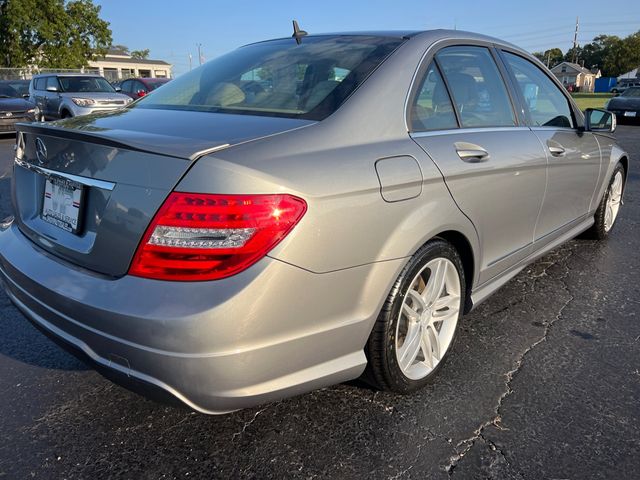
573,155
38,94
464,119
126,87
52,102
139,90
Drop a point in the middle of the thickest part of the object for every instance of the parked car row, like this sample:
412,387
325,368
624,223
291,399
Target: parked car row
63,95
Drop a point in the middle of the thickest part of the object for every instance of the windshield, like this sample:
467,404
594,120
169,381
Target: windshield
7,92
14,88
631,92
85,84
278,78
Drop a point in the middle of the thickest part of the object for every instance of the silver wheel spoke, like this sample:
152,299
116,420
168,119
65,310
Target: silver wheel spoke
411,346
425,345
418,304
436,283
448,301
432,344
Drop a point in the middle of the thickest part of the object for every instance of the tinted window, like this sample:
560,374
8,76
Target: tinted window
139,86
546,104
40,83
85,84
432,109
278,78
126,86
477,88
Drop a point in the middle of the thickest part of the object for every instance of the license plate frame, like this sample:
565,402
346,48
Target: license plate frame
62,203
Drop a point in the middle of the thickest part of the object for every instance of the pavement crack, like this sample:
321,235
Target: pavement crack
247,424
468,443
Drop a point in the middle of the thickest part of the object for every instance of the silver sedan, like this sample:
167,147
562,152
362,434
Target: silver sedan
302,211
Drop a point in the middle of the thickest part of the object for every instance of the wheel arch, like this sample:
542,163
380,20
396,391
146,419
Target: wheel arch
463,246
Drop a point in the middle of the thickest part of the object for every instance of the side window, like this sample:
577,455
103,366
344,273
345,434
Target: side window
432,109
546,104
53,82
477,88
126,86
140,86
40,83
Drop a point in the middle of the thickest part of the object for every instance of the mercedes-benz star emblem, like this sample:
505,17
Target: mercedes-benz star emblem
41,151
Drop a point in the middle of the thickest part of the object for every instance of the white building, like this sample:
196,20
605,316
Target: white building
117,65
633,74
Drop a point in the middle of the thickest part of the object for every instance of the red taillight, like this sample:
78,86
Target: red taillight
207,237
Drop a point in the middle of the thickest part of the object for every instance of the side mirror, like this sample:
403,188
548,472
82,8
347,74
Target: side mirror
118,89
141,93
597,120
52,89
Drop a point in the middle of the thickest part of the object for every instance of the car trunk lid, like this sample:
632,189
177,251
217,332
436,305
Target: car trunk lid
125,168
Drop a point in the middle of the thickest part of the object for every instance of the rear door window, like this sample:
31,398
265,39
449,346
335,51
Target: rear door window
432,108
478,90
545,103
40,83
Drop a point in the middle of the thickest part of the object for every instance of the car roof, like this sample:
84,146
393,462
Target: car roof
68,74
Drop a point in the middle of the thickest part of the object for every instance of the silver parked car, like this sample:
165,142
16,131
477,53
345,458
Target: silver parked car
302,212
64,95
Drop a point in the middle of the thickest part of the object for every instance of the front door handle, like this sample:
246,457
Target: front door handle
556,149
471,153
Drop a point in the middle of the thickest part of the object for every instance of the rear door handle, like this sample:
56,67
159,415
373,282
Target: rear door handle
471,153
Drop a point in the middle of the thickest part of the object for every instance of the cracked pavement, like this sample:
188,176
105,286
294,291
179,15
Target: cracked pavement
543,382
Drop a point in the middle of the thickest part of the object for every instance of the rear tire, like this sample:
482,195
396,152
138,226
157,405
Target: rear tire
420,315
609,208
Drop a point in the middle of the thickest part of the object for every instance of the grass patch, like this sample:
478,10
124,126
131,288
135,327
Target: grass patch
591,100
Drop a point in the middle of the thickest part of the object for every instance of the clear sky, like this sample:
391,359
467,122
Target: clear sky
171,29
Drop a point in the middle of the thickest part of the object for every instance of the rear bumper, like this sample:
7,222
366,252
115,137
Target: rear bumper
269,332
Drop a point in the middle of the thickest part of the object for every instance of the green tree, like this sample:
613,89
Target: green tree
140,54
51,33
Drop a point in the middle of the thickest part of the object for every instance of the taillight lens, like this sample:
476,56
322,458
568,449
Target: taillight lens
207,237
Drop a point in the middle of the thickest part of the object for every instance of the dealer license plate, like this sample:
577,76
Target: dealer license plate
62,203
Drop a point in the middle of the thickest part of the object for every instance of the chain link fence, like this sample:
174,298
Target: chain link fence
27,73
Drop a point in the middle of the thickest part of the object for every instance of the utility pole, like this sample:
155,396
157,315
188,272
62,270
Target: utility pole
199,45
548,58
190,61
575,42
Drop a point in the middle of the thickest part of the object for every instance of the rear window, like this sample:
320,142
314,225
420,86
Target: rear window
631,92
278,78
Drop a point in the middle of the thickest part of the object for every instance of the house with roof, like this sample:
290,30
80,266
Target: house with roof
118,64
576,76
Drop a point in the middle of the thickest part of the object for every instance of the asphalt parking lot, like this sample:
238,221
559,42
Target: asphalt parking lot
544,382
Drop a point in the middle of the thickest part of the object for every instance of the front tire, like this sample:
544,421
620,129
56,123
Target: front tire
417,326
609,207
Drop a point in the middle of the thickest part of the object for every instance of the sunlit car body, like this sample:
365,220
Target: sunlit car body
65,95
244,233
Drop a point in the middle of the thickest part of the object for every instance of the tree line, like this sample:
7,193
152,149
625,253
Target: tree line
609,53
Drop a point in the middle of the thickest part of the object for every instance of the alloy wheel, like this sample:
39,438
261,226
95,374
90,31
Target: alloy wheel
428,318
614,199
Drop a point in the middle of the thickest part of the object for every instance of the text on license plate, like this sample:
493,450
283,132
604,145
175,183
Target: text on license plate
62,203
